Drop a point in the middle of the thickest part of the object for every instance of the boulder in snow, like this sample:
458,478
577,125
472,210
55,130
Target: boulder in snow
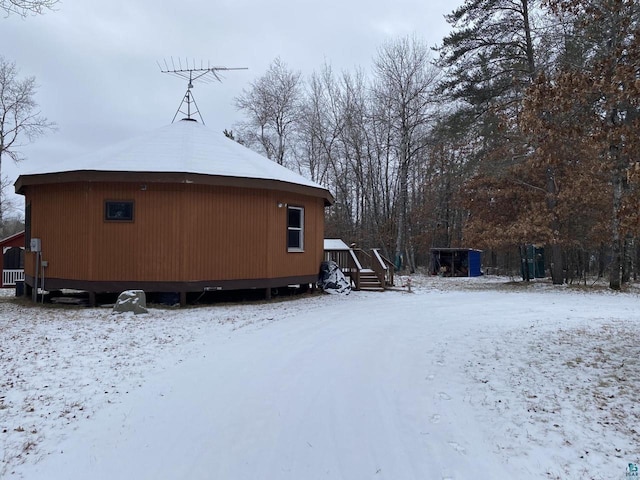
131,301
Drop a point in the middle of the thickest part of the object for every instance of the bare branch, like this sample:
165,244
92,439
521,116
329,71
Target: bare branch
20,120
19,117
27,7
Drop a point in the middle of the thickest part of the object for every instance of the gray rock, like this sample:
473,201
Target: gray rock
131,301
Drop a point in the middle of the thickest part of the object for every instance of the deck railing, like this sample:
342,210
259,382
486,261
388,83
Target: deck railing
10,277
383,267
347,262
353,261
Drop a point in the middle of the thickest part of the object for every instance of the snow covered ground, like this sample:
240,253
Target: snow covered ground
463,378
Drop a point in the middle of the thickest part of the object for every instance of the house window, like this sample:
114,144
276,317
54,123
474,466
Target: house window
295,229
118,211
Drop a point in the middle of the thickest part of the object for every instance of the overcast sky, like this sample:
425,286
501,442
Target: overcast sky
95,61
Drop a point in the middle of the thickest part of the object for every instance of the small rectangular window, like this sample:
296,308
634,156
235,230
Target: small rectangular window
118,211
295,229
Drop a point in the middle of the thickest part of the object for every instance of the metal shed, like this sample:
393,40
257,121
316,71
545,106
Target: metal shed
456,262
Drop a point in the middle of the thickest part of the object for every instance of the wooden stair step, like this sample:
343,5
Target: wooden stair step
369,281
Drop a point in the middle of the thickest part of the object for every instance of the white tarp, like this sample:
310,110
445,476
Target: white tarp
332,280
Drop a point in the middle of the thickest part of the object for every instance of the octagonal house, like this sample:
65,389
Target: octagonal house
181,209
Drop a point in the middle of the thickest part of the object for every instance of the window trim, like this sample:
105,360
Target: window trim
299,229
128,219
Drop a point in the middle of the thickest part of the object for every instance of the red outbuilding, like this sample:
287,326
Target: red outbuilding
12,259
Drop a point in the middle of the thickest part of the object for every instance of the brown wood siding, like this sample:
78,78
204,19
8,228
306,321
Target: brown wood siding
180,233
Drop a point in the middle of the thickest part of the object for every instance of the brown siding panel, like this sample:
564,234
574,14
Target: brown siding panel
180,233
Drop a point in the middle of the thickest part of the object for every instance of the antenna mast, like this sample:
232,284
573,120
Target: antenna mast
191,73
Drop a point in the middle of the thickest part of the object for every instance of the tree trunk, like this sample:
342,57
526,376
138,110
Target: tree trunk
529,42
524,263
602,252
635,262
403,195
615,274
556,249
615,277
627,264
557,269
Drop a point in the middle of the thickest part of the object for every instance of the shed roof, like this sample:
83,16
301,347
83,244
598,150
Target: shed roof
184,151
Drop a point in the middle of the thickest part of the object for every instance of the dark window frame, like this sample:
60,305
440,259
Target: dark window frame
127,209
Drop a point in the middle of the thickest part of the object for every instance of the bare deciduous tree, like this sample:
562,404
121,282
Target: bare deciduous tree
320,125
405,81
20,120
27,7
271,105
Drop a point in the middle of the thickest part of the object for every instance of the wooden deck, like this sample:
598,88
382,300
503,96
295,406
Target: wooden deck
366,269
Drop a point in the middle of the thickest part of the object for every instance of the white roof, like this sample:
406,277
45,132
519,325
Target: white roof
182,147
335,244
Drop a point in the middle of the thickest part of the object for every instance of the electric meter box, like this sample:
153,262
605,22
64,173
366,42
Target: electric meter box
35,245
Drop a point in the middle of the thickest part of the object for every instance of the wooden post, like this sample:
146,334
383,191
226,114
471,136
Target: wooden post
267,293
183,299
92,299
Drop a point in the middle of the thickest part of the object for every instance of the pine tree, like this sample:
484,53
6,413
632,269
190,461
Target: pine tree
490,60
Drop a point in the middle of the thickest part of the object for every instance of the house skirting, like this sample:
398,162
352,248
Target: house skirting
101,286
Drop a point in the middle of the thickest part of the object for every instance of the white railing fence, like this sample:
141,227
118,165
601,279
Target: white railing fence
10,277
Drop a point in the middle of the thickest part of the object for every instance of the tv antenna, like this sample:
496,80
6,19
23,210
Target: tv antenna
190,72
